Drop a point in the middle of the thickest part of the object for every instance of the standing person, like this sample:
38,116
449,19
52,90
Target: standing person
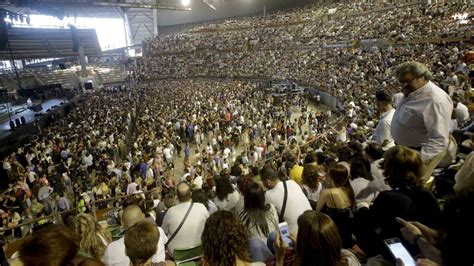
382,134
422,118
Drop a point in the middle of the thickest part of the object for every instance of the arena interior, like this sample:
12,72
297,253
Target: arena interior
236,132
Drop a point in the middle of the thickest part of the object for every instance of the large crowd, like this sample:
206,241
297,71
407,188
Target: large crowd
198,154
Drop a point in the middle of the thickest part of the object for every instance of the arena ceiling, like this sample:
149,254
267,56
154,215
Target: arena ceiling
139,13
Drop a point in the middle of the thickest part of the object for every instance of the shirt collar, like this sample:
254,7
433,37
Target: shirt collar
384,114
420,90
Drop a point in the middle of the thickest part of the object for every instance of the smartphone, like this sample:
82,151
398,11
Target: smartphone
399,251
285,232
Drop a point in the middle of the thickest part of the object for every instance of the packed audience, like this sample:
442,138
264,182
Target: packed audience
316,27
221,171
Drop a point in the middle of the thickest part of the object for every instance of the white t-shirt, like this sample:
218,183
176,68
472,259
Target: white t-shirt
228,203
198,182
296,204
362,191
115,253
190,233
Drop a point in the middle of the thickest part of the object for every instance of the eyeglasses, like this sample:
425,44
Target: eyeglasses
407,81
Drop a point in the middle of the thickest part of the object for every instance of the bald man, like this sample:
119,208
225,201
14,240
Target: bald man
189,235
115,252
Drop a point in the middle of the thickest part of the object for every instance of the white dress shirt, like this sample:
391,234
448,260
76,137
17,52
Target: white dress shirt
423,119
382,131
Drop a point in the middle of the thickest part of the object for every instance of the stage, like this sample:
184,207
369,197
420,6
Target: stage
17,111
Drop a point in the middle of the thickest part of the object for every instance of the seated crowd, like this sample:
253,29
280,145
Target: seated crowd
214,166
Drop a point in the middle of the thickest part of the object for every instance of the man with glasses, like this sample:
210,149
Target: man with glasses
422,119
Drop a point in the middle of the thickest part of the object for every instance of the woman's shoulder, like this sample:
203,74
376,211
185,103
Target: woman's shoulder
349,258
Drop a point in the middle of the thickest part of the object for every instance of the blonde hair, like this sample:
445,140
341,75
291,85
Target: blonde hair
90,231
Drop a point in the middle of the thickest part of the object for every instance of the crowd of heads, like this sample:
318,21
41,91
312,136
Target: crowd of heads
223,143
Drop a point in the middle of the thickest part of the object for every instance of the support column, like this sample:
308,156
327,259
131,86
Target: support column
155,22
82,59
264,11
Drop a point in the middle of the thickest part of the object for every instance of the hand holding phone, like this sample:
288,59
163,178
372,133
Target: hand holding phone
399,251
285,233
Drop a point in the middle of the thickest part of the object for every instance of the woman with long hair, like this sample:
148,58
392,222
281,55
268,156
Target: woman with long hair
52,245
360,180
94,239
318,243
258,218
338,201
226,196
225,241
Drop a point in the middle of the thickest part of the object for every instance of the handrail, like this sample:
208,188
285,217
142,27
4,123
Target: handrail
91,204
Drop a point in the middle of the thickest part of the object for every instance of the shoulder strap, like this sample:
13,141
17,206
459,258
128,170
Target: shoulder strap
285,198
180,225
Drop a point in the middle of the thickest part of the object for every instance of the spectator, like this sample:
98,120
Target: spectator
141,241
403,168
225,241
94,239
296,202
338,201
190,232
382,134
425,113
52,245
226,196
313,175
258,218
317,243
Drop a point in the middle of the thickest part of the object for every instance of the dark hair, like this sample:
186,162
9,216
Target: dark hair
360,167
268,172
344,154
223,188
224,239
374,150
383,96
52,245
201,197
311,157
458,221
255,210
318,241
340,179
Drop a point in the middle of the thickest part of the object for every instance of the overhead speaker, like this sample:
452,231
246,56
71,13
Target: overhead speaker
88,85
